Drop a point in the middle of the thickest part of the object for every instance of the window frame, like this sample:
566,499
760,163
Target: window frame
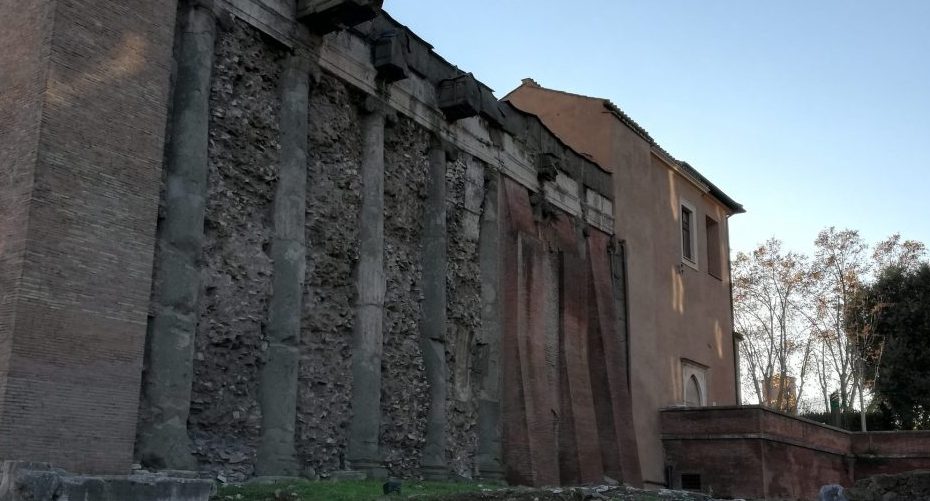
714,269
682,206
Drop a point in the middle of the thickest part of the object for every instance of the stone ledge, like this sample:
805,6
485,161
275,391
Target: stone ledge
22,481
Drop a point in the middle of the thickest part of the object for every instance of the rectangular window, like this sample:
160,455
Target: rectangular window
714,262
687,233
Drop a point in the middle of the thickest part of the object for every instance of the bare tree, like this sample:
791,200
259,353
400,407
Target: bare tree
842,264
769,289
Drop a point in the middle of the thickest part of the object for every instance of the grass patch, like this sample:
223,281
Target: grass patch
347,490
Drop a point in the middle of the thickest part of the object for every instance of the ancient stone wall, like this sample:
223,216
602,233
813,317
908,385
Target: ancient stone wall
341,326
235,274
325,380
465,179
404,390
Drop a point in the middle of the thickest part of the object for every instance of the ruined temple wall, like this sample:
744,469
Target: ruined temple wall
404,388
325,380
381,382
465,179
236,273
235,277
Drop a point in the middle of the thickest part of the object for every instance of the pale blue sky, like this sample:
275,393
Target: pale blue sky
811,113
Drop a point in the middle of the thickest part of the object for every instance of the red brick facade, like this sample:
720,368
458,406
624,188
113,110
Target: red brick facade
565,399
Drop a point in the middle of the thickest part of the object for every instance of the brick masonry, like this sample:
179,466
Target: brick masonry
754,452
560,398
85,107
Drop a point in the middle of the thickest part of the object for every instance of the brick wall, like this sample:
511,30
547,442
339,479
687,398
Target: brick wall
23,37
755,452
562,416
75,350
890,452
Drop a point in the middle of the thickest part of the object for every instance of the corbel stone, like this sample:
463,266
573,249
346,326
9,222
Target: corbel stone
389,55
324,16
459,97
490,107
547,167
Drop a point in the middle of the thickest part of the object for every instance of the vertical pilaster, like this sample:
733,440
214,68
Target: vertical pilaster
162,438
364,451
433,324
489,345
278,379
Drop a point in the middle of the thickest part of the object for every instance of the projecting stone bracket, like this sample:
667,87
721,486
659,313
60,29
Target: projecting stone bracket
547,167
389,56
324,16
459,97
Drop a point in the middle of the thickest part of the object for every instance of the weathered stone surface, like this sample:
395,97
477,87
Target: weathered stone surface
368,332
40,482
465,181
910,485
278,384
433,323
404,390
334,156
236,269
604,492
166,390
234,338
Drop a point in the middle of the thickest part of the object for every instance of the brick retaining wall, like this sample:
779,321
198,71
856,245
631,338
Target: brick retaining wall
755,452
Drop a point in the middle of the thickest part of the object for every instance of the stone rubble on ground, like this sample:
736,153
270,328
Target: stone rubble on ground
900,487
584,493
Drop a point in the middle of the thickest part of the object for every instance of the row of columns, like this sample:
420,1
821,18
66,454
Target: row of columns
163,441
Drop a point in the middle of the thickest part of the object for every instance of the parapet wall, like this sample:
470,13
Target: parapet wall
755,452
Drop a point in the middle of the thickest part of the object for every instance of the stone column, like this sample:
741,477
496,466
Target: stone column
278,379
364,452
433,323
162,439
490,464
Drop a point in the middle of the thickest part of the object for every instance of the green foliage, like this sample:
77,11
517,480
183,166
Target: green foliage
896,308
361,490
